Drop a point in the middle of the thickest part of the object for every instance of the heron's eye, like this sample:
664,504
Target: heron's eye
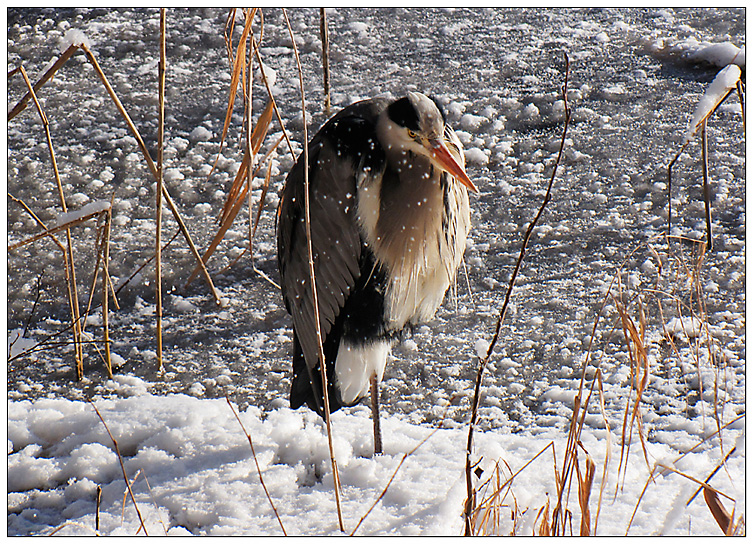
411,134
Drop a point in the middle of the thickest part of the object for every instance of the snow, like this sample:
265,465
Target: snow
725,80
192,472
718,54
689,326
86,210
75,37
635,78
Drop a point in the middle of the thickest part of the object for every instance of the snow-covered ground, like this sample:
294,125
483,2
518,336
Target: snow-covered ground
194,473
636,79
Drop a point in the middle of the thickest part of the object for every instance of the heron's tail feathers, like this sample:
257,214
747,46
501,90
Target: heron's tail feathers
307,385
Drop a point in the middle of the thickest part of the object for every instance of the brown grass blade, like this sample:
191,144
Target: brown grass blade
239,66
257,138
585,490
722,517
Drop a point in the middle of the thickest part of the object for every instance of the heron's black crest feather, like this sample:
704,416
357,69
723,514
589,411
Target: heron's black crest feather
439,107
403,113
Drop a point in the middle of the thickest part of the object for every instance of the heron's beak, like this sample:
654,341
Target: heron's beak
441,155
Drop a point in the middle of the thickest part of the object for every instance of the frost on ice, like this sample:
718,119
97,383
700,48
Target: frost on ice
685,326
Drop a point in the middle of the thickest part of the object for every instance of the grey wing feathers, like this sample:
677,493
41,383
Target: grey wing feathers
336,240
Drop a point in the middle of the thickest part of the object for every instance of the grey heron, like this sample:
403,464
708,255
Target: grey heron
389,212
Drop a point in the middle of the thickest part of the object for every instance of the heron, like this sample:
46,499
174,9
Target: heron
389,220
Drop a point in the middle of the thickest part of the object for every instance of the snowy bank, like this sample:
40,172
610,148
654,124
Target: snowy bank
193,473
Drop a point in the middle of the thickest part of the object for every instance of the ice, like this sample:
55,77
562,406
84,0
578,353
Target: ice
201,134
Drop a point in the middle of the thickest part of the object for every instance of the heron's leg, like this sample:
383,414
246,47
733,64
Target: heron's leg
375,391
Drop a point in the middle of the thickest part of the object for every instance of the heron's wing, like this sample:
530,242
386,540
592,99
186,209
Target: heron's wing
345,149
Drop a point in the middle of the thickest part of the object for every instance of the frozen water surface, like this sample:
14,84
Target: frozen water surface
635,78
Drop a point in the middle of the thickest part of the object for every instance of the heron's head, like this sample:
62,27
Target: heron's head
414,123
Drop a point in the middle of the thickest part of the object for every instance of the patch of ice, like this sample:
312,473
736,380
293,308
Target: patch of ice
201,134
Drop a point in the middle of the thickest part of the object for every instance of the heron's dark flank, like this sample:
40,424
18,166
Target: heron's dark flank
389,220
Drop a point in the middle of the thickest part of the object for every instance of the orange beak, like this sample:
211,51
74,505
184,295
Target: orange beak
447,162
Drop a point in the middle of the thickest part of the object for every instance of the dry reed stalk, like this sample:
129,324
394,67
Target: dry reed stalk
714,472
124,501
62,59
498,492
545,527
154,503
256,463
49,232
105,293
99,251
70,264
741,93
239,190
570,460
705,186
487,515
650,479
262,200
241,71
123,469
483,361
241,184
272,99
313,281
96,511
325,37
639,378
702,124
153,169
249,121
160,184
585,490
238,68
